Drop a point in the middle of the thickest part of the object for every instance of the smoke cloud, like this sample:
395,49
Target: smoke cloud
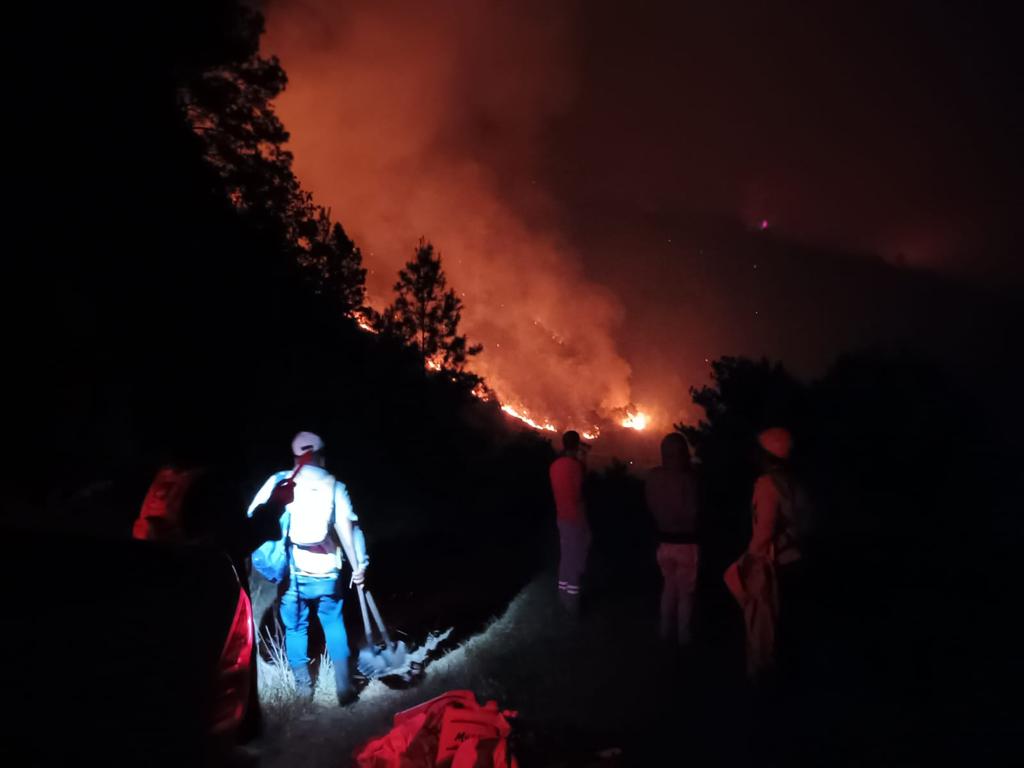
751,182
426,119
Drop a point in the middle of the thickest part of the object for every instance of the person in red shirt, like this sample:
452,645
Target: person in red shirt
566,475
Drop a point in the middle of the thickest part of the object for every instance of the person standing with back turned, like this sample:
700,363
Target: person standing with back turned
320,524
671,491
566,475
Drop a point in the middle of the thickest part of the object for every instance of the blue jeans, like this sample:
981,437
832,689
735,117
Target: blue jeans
305,592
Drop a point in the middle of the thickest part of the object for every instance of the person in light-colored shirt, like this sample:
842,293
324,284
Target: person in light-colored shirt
321,531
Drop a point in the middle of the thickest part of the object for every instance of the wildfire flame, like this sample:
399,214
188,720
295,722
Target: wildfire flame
633,419
524,417
546,425
637,420
363,322
481,392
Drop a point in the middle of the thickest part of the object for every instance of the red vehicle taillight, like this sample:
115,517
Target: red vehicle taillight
232,693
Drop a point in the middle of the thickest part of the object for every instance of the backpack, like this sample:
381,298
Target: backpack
794,518
311,525
451,730
313,507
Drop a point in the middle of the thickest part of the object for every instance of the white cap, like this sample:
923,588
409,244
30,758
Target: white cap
306,442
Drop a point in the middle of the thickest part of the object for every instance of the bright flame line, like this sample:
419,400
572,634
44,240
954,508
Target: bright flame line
480,393
548,427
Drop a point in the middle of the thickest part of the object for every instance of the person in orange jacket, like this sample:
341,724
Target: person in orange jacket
188,503
766,578
160,518
776,530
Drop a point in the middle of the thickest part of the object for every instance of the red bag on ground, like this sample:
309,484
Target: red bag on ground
450,730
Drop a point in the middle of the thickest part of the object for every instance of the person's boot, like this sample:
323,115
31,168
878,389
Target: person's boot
570,604
303,684
343,685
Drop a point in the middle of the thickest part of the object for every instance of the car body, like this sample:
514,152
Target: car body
120,649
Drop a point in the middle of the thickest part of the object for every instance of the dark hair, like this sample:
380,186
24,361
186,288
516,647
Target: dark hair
571,440
674,446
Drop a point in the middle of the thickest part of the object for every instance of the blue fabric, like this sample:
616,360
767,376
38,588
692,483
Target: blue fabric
271,557
325,595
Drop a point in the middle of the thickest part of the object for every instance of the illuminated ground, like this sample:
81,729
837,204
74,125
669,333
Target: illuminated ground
605,683
580,688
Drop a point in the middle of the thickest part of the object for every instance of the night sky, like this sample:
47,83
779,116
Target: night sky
622,193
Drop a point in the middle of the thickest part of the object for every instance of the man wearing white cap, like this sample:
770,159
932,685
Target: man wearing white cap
318,526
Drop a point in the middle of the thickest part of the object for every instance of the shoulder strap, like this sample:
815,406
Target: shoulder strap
332,526
334,506
288,545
